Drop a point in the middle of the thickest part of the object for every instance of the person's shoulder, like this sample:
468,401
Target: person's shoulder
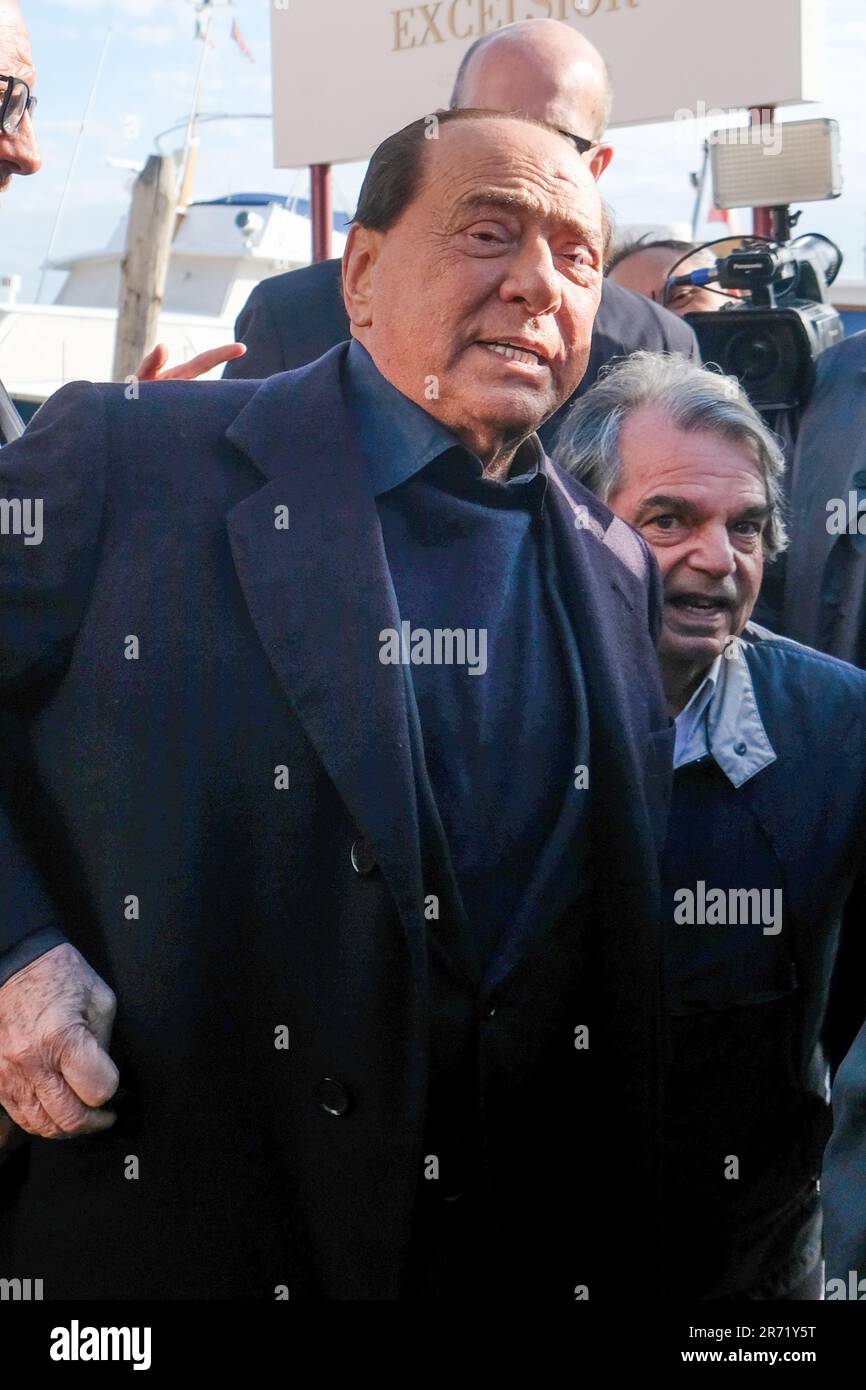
791,664
133,415
294,288
640,323
190,400
621,542
843,360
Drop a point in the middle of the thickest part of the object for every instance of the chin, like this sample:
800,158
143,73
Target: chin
695,650
503,415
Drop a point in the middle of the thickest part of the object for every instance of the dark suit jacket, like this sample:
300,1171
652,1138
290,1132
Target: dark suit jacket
748,1075
144,818
825,576
290,320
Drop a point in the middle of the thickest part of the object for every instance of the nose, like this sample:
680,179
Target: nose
711,552
21,150
532,278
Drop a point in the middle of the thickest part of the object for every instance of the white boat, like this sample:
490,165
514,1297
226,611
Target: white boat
221,251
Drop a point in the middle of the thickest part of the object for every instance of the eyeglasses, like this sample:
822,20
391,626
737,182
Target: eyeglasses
15,102
581,144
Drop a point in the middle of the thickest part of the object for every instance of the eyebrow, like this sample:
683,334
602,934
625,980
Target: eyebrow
522,202
673,504
759,512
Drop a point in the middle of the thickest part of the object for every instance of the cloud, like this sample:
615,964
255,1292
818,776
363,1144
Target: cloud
137,9
153,35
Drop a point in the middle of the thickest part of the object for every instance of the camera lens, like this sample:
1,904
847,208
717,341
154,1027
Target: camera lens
752,359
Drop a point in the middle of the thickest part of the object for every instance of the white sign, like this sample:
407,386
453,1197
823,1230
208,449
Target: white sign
346,73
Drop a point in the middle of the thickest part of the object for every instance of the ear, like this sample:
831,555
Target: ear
598,159
359,259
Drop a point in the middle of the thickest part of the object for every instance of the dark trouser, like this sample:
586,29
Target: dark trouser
812,1288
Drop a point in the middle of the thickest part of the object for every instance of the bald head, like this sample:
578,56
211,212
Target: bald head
542,67
19,153
10,11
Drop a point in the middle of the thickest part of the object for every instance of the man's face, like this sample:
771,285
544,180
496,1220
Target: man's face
647,271
699,500
478,303
19,153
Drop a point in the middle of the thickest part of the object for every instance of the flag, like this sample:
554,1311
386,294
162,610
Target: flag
240,41
727,216
202,33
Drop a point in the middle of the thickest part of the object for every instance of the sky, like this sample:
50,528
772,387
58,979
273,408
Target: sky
146,78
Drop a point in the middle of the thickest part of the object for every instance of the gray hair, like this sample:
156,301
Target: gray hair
693,398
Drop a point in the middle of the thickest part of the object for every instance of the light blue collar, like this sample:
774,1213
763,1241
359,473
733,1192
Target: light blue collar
736,737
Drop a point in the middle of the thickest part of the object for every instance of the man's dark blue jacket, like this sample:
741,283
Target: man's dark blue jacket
788,775
825,574
291,319
165,652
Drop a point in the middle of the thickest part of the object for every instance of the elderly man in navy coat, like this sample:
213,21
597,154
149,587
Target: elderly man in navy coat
766,838
538,66
334,743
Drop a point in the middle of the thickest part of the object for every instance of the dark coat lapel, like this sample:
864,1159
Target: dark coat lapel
319,595
631,755
613,614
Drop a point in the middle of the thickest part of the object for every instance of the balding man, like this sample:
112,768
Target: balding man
541,67
335,743
19,154
646,266
19,150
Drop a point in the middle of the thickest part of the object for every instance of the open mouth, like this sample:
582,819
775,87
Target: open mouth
698,605
513,352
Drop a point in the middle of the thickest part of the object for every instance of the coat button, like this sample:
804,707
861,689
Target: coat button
333,1096
740,749
363,858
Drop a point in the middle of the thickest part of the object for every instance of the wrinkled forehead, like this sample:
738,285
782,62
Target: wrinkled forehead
16,59
707,469
527,166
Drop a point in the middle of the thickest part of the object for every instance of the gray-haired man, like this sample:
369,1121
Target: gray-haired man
766,830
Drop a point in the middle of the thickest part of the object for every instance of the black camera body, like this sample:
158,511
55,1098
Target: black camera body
773,337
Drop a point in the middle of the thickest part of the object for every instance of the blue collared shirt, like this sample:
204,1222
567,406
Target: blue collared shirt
500,742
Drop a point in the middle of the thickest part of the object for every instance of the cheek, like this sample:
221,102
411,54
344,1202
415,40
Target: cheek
576,323
444,305
667,558
464,287
584,302
751,576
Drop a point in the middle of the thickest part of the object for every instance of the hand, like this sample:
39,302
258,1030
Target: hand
151,368
55,1025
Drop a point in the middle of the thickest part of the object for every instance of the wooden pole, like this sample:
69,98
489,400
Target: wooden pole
145,263
762,218
321,211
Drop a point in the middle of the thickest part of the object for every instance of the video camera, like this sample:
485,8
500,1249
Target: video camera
771,337
780,321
